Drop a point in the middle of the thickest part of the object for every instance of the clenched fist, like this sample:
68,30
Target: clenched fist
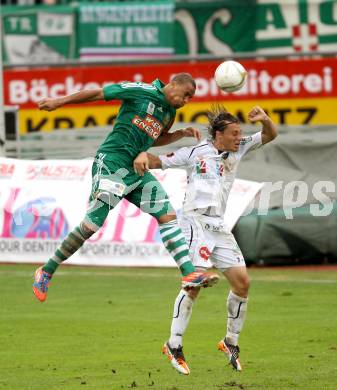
256,114
49,104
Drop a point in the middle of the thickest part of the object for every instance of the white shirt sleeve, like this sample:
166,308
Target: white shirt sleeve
178,159
250,143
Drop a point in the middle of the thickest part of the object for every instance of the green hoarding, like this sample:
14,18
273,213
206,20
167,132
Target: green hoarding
38,34
217,27
275,27
126,29
98,30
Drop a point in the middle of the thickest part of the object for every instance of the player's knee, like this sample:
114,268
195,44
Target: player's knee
97,214
193,292
167,218
87,229
241,286
246,284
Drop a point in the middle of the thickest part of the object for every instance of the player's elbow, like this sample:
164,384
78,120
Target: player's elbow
273,136
268,137
99,95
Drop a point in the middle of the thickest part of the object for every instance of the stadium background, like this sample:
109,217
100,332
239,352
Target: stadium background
289,50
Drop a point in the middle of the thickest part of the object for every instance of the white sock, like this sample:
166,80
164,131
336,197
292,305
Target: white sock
236,308
181,316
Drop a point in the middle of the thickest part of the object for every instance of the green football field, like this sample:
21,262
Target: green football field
102,328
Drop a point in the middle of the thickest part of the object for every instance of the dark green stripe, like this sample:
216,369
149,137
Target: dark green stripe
79,231
75,238
186,268
329,38
180,255
68,247
165,229
303,11
176,245
60,255
174,234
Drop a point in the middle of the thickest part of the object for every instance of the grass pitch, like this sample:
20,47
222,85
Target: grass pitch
102,328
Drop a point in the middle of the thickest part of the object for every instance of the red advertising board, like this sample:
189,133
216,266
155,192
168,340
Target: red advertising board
272,84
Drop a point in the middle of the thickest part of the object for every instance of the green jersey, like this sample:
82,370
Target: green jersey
142,117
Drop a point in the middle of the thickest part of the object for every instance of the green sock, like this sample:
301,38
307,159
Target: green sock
175,243
68,247
50,266
77,237
187,268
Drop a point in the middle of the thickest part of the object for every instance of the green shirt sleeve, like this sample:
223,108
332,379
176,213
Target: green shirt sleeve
127,90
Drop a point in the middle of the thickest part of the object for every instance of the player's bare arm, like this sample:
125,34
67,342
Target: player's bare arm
269,130
84,96
145,161
167,138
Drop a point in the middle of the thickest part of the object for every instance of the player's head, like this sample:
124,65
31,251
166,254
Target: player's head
224,129
180,90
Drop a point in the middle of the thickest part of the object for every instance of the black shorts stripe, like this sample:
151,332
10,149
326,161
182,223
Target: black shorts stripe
191,237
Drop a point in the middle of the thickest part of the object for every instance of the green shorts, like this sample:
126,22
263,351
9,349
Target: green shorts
112,182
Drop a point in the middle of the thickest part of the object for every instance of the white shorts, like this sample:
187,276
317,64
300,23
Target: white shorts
211,244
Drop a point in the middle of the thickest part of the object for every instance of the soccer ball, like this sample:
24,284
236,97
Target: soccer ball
230,76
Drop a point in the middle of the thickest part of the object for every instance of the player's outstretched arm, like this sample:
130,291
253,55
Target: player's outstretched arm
84,96
168,138
145,161
269,130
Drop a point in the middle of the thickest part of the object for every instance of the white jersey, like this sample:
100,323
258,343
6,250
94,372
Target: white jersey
210,175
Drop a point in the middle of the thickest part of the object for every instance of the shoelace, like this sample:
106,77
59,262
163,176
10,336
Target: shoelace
235,350
178,353
43,284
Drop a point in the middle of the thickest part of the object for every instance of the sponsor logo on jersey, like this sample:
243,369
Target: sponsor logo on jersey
214,228
204,253
245,140
149,125
220,169
201,167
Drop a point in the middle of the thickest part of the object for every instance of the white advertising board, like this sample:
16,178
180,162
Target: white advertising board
42,201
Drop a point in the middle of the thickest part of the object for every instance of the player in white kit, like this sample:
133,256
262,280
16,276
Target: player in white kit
211,168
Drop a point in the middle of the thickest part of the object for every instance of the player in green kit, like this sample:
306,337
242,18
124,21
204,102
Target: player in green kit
144,119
